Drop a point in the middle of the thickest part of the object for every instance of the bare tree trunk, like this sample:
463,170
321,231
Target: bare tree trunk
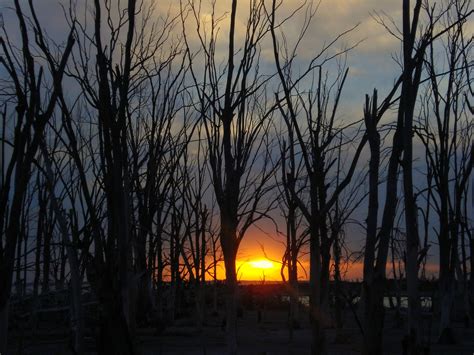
39,235
3,327
201,268
159,272
396,283
464,272
47,250
143,300
375,266
25,258
325,274
373,313
318,335
173,281
471,276
292,260
407,106
338,301
18,259
231,305
214,274
76,314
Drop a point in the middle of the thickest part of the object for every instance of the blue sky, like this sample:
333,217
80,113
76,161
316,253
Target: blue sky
371,62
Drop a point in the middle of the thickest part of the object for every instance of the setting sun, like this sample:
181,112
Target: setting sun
262,264
236,177
258,269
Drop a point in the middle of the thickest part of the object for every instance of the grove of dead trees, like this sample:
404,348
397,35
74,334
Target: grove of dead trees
142,146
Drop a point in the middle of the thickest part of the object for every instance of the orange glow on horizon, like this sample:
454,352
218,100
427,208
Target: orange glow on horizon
261,264
258,269
259,259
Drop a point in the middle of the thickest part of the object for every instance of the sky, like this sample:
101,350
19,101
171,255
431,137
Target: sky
371,65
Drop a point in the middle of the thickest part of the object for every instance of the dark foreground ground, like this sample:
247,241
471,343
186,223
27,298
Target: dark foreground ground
270,336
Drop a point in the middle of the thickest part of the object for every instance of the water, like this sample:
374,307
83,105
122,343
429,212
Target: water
425,301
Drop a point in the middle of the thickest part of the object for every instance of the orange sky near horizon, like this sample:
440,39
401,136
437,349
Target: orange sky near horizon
262,269
260,259
261,244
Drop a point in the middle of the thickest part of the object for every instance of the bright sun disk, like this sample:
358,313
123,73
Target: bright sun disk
261,264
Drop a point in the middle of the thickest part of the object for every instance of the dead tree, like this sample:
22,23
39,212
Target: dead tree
291,169
195,187
445,130
412,67
312,116
32,112
234,112
414,50
153,140
110,89
338,218
76,289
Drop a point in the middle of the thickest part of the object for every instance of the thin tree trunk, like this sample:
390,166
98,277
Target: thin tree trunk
409,92
18,260
338,302
3,327
76,314
375,267
318,344
231,306
47,251
292,267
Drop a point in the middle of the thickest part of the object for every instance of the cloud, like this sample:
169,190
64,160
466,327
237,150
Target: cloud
370,63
